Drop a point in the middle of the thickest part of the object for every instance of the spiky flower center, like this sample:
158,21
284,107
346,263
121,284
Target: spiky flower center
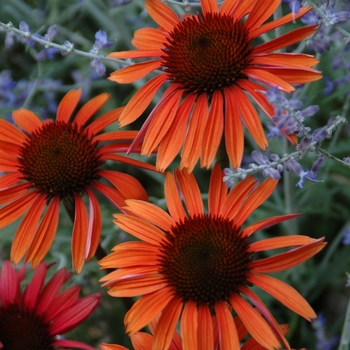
59,159
205,259
23,329
206,53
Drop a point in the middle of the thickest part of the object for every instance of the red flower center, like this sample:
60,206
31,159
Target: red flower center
59,159
23,330
205,259
206,53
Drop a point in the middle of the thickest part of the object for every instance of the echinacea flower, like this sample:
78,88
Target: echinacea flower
213,63
37,317
48,162
144,341
191,265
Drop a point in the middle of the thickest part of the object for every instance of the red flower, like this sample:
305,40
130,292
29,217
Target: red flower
60,161
36,317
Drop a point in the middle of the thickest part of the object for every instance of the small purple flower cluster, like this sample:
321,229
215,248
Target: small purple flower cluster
322,341
270,170
101,42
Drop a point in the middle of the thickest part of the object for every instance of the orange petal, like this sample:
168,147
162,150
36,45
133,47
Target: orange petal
95,226
104,120
140,101
217,191
113,347
260,13
285,60
26,120
151,213
243,8
213,130
266,223
236,197
90,108
234,137
112,194
262,75
149,39
134,54
45,234
68,104
26,229
10,194
166,324
139,228
279,22
10,133
11,212
162,14
228,337
228,6
8,180
8,162
172,198
285,40
80,233
189,326
134,72
283,292
192,146
139,285
146,309
141,341
190,192
254,323
205,329
172,141
255,199
294,75
161,119
209,6
288,259
251,118
128,186
255,90
280,242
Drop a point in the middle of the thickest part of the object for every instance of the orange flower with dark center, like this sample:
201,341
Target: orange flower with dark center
60,161
195,266
213,63
35,318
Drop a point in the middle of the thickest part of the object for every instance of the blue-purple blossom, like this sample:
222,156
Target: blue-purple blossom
268,171
322,340
24,27
346,237
47,54
294,5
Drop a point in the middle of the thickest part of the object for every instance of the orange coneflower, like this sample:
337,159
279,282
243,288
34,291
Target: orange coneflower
37,317
212,63
193,265
59,161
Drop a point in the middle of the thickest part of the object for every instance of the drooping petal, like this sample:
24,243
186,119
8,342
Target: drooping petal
254,323
173,140
90,108
149,39
162,14
9,287
190,191
283,292
103,121
45,234
189,326
295,75
217,191
173,199
80,233
9,133
27,229
67,105
234,136
213,130
8,180
140,101
192,145
26,120
112,194
8,162
228,337
72,344
10,194
166,324
146,309
295,60
205,329
141,341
